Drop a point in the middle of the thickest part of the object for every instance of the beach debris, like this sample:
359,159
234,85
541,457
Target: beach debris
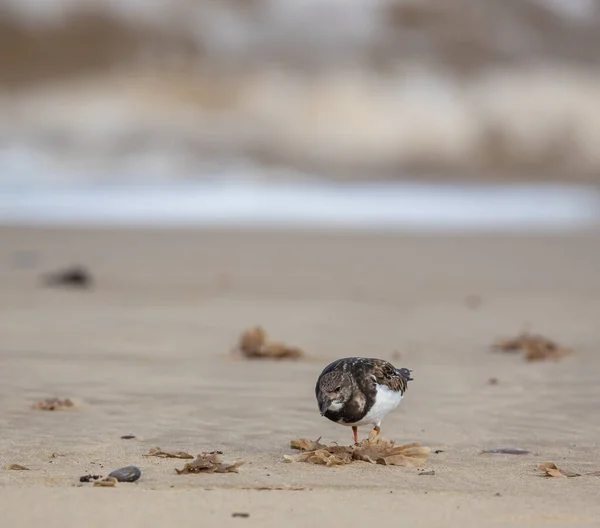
72,277
438,451
209,463
89,478
374,450
242,515
53,404
301,444
158,452
507,451
108,482
126,474
536,347
552,470
428,472
254,344
127,437
16,467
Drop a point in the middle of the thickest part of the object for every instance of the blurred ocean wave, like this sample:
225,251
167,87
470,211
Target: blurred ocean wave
234,202
344,89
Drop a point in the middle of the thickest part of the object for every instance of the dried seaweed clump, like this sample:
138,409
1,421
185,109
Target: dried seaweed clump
550,469
53,404
536,347
158,452
254,344
374,450
209,463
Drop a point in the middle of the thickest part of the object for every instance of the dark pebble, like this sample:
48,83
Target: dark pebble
126,474
127,437
242,515
75,277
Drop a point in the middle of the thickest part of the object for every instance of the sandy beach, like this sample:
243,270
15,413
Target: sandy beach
146,352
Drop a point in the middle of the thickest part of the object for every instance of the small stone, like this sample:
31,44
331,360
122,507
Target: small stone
126,474
73,277
243,515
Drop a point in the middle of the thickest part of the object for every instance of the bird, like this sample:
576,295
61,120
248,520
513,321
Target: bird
357,391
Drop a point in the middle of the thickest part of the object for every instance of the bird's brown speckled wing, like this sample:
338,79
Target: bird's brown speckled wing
386,374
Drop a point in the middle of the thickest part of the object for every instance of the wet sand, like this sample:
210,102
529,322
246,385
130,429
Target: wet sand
146,352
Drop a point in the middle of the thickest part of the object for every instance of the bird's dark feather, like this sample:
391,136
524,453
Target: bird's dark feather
363,374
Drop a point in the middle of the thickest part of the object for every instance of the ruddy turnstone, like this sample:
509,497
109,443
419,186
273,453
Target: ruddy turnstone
360,391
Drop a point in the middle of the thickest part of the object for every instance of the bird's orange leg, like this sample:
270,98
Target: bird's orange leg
355,433
377,430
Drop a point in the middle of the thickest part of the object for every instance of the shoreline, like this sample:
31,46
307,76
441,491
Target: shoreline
401,206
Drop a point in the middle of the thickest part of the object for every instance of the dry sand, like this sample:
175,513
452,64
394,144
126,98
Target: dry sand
146,353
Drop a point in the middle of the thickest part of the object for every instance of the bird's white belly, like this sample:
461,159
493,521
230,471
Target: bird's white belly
387,400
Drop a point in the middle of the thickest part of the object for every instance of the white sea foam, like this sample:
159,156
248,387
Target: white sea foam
254,204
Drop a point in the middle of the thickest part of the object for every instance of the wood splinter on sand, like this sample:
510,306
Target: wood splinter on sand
16,467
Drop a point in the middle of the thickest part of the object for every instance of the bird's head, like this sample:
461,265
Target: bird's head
333,392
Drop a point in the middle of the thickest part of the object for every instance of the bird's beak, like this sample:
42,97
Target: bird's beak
325,405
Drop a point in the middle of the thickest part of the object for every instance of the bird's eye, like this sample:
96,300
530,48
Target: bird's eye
337,389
